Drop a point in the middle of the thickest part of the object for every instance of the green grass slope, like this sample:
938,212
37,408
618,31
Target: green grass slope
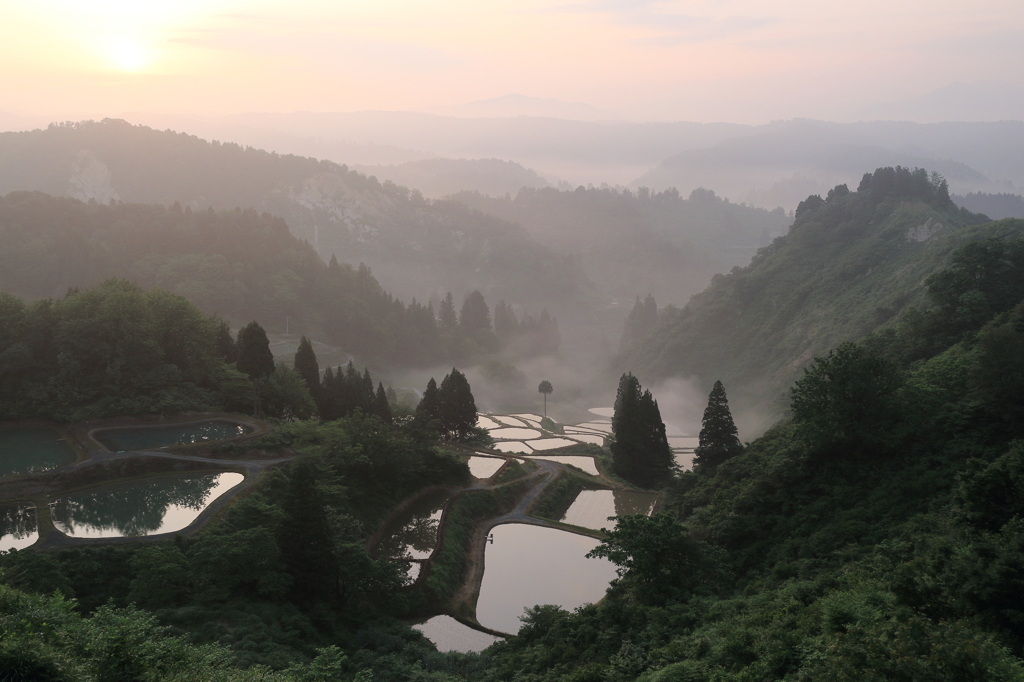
851,264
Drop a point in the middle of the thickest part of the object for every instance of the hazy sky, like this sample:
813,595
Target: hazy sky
736,60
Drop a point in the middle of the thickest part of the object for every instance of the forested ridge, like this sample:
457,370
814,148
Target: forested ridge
239,264
414,245
852,263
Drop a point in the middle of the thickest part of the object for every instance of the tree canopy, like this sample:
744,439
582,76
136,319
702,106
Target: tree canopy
640,449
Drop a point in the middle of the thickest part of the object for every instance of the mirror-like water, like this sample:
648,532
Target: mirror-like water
509,421
529,417
578,429
484,467
684,442
549,443
603,411
18,526
603,427
32,449
413,535
157,505
593,439
448,634
513,447
146,437
579,461
412,571
529,565
515,433
684,458
592,508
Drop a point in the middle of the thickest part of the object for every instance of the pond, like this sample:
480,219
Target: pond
581,462
148,437
484,467
513,447
530,565
486,422
18,527
413,535
448,634
592,508
32,449
156,505
549,443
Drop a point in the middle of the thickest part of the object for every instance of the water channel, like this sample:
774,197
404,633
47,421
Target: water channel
155,505
148,437
26,450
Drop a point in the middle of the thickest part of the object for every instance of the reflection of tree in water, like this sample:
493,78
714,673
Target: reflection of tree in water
18,521
135,510
416,532
628,502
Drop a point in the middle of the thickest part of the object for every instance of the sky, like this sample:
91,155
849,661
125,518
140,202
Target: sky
700,60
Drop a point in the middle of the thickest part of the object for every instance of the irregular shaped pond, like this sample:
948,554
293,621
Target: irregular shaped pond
530,565
448,634
602,411
592,508
18,526
549,443
581,462
509,421
513,447
515,433
683,442
684,458
484,467
33,449
413,535
486,423
529,417
147,437
593,439
156,505
603,427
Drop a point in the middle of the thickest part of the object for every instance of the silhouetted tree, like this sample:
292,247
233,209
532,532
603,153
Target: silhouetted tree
308,368
719,439
226,347
475,316
640,450
546,388
381,408
429,408
254,358
457,406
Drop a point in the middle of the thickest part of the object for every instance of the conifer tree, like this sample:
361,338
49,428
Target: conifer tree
506,325
381,408
640,322
392,396
446,314
366,392
226,347
719,439
429,408
640,449
457,406
254,358
329,389
475,316
308,368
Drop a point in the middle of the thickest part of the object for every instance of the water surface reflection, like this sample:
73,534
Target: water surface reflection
161,505
18,526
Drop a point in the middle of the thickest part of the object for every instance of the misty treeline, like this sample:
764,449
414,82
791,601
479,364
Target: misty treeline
241,265
413,244
640,240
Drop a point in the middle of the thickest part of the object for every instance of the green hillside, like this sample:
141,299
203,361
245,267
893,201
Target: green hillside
852,263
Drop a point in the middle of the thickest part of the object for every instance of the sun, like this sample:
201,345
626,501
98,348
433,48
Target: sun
127,55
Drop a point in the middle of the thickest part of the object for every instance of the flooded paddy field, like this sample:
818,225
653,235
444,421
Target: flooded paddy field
121,439
32,449
592,508
157,505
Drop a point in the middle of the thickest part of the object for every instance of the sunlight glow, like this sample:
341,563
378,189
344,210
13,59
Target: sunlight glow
127,54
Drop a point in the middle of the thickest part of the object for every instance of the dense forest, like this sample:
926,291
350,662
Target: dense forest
241,265
853,262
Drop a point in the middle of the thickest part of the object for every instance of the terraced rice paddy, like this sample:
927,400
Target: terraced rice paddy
581,462
448,634
484,467
156,505
18,526
528,565
592,508
515,433
26,450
